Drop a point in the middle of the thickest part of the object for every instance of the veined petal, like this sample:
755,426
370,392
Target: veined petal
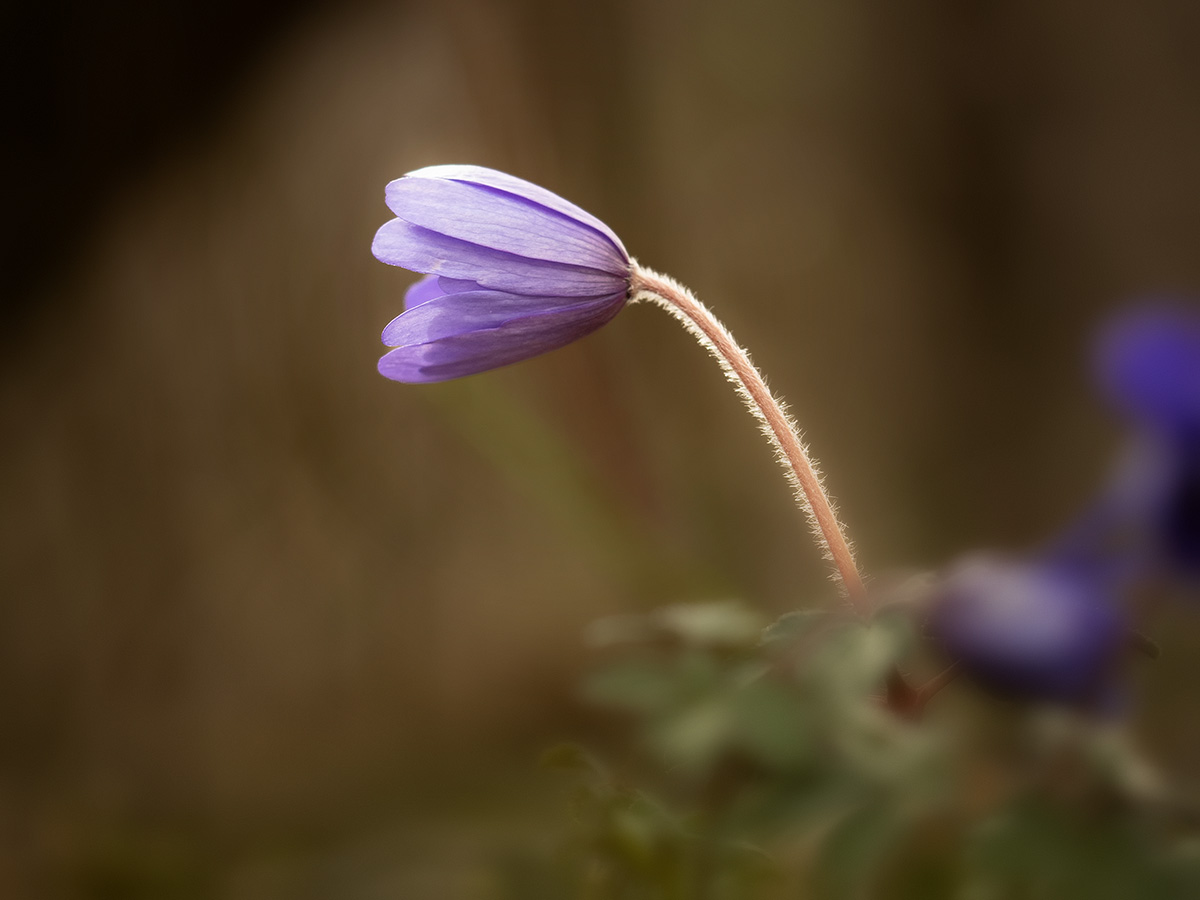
453,314
422,291
480,350
502,221
400,243
525,190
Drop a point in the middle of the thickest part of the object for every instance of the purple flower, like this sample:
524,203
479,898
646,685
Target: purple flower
1033,630
513,271
1148,367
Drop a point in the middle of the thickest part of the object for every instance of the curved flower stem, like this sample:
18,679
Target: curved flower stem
779,427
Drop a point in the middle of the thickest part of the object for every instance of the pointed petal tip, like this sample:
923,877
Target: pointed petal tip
384,244
397,369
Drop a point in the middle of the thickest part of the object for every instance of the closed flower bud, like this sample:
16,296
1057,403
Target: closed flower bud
513,270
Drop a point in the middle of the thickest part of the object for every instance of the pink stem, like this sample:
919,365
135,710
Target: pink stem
776,423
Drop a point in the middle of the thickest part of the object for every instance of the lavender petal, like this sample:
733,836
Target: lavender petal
480,350
518,187
454,314
399,243
457,285
423,291
503,222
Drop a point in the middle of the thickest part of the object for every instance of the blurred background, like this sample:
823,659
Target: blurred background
273,626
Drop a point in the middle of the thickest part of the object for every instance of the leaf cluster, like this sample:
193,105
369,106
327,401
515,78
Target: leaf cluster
778,770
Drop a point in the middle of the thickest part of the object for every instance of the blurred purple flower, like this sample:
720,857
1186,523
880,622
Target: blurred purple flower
1148,367
1031,629
513,271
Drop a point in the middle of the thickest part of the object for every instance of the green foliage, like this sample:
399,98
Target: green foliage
1037,849
784,772
628,845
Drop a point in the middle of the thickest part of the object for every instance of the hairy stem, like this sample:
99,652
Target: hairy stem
779,427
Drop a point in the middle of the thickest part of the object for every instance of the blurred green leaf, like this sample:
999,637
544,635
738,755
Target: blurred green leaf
1035,849
718,624
636,685
772,733
792,625
850,855
694,737
712,624
854,658
773,725
653,685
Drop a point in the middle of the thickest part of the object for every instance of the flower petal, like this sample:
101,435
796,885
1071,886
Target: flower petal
422,291
480,350
457,285
400,243
502,221
454,314
518,187
1148,363
1026,629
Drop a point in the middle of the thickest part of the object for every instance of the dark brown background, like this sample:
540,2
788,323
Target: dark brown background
275,627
